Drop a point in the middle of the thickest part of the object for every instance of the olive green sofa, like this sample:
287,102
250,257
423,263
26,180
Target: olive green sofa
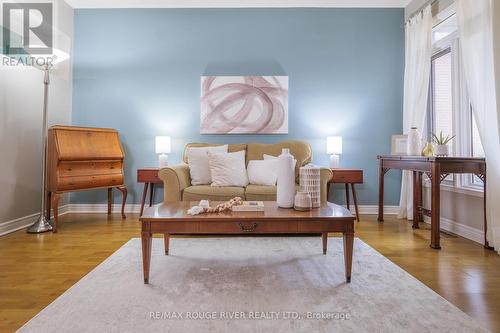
177,180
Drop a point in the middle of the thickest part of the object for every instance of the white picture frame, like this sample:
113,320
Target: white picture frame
399,144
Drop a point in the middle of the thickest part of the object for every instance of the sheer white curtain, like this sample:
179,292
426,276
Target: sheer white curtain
418,50
475,24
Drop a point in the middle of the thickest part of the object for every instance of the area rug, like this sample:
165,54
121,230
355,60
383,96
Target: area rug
245,284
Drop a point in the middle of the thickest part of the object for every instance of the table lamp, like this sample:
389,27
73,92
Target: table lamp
162,147
334,148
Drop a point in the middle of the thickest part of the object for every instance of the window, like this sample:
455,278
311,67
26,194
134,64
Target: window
442,94
444,29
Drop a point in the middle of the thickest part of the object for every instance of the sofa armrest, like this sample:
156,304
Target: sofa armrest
325,176
175,179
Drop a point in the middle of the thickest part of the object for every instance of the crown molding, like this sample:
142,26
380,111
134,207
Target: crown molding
238,3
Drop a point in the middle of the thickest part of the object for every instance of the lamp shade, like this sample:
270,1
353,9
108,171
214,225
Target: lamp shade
334,145
162,144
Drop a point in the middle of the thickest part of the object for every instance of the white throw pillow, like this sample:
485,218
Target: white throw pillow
271,157
198,163
228,169
263,172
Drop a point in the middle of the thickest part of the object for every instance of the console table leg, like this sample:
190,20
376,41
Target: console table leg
415,200
166,238
420,197
435,206
348,249
146,238
324,236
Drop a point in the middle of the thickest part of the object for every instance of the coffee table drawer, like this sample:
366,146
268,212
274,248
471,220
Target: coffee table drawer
248,227
175,227
324,226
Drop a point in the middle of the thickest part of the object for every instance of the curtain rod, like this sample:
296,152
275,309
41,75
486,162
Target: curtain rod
420,9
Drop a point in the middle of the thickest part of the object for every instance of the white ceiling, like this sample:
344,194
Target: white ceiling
236,3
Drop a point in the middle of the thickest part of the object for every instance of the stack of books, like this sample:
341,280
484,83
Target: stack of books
249,206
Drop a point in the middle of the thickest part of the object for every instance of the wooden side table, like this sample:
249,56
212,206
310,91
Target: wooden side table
148,176
347,177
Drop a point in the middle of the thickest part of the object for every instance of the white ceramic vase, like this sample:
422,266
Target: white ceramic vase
303,201
285,192
414,142
442,150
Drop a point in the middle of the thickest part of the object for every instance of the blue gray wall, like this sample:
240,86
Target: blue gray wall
138,70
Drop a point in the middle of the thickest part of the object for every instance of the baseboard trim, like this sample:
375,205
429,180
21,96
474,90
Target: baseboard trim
23,222
135,208
459,229
17,224
103,208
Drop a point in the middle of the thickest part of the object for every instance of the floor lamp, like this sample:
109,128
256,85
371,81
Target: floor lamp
43,223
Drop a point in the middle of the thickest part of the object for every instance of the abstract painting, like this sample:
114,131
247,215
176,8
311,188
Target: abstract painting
244,105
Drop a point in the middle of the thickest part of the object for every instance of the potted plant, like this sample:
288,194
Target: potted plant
442,141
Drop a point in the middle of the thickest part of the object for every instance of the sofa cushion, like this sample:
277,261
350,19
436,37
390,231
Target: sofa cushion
230,149
260,193
201,192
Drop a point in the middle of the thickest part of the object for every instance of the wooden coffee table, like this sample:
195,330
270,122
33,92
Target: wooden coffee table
172,218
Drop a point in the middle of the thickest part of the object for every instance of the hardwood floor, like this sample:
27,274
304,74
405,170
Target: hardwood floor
36,269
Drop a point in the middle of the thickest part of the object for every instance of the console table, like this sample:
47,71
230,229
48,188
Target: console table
437,169
347,177
148,176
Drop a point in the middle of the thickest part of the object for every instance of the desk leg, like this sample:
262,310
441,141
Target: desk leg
151,194
146,238
435,206
381,174
347,196
110,200
123,189
355,199
415,200
348,248
48,205
55,204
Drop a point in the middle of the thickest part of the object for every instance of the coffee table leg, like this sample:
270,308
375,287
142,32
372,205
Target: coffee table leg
325,241
146,254
166,238
348,248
